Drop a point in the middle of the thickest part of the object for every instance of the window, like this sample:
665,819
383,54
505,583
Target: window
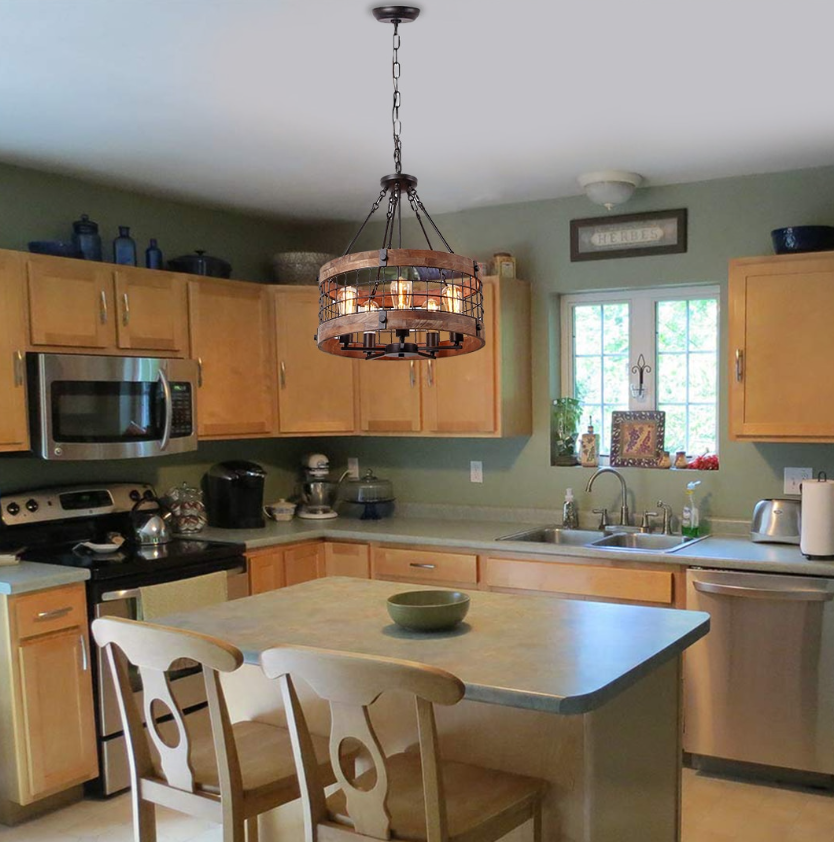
676,332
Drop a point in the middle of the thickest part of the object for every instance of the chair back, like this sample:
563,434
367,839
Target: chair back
153,650
351,684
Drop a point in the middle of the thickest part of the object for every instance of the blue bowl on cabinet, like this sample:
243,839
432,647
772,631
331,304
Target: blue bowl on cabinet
55,248
802,238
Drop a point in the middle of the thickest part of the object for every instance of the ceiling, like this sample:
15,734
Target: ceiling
284,106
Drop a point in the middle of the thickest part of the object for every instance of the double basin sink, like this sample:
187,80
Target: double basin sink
642,542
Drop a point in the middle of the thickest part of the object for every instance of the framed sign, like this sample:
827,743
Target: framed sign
628,235
637,439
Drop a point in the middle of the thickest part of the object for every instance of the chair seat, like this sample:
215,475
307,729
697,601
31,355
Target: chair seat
474,796
265,755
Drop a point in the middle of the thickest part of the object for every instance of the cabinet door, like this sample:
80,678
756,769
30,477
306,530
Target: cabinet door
459,394
71,303
231,337
389,396
315,392
781,345
303,563
14,420
266,571
57,711
347,560
152,312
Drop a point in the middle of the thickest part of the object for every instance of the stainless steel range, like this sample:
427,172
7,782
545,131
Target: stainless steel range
51,524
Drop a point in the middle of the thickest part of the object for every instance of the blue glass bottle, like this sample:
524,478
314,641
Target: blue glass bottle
153,255
86,238
124,249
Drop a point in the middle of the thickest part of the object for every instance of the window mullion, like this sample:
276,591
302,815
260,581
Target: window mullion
641,341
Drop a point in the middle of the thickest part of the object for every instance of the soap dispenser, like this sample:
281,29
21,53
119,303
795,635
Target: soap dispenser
691,519
570,515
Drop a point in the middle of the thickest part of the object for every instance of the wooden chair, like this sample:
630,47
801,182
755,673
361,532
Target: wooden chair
411,795
230,776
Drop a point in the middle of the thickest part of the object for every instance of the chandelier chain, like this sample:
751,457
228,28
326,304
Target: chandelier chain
395,111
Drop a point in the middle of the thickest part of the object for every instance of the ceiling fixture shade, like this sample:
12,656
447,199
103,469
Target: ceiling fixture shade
399,303
610,187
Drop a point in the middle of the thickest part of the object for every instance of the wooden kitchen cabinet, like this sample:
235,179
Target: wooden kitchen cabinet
48,728
389,396
14,417
420,565
271,568
152,311
303,563
232,339
342,559
315,390
780,348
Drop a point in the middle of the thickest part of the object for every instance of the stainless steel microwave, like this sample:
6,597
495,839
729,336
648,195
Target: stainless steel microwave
88,407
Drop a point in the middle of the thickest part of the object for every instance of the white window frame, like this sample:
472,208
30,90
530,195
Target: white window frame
642,332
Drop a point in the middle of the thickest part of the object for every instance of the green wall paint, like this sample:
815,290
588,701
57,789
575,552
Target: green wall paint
727,218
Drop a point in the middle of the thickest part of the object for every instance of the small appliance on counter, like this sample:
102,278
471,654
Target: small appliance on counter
817,532
235,495
150,520
776,521
318,493
367,498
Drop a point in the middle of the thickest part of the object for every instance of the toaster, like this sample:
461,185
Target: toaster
777,521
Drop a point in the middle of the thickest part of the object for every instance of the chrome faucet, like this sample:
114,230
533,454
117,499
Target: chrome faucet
624,515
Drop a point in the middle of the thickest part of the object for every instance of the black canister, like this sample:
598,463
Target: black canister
86,238
235,495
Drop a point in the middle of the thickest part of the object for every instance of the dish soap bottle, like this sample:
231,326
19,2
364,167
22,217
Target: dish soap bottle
588,448
570,515
691,520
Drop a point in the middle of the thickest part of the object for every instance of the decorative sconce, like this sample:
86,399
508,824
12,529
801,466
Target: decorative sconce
641,370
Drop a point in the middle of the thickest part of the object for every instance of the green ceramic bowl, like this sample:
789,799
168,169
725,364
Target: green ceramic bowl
428,610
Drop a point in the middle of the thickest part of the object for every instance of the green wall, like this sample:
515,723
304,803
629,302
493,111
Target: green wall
727,218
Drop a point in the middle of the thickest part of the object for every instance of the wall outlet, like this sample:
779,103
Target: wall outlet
794,476
353,467
476,472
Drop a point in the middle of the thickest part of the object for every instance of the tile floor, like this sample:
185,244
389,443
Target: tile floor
714,810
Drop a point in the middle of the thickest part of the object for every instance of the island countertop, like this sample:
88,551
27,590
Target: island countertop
552,655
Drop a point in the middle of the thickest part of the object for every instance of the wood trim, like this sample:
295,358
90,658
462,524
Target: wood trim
396,257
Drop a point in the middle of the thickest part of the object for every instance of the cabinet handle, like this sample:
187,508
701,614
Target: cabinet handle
431,372
739,365
103,307
422,566
53,614
126,312
84,662
199,372
412,379
18,368
283,374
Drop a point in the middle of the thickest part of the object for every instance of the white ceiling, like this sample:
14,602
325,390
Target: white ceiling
283,106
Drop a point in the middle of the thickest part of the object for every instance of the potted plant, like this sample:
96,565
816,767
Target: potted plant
567,413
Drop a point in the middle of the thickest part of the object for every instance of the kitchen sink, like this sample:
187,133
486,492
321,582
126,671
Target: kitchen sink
555,535
642,542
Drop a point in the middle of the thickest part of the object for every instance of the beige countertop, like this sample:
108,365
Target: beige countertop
33,576
554,655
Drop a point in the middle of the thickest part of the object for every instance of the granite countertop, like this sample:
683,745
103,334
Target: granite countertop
32,576
729,552
554,655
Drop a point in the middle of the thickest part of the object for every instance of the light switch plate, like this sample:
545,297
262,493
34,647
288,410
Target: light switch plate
353,467
476,472
794,476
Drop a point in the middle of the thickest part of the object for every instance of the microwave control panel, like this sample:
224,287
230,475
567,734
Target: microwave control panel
182,416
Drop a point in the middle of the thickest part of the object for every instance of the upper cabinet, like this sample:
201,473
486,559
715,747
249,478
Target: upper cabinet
14,419
100,308
389,396
231,324
780,348
315,390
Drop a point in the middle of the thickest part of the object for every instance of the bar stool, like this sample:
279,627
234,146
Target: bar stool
412,795
229,776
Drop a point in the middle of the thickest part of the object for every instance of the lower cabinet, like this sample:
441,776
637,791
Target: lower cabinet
424,566
341,559
48,727
279,567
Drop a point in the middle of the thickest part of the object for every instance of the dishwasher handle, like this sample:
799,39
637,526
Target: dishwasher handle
793,595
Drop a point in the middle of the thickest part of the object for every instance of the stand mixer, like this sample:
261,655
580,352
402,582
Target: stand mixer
318,493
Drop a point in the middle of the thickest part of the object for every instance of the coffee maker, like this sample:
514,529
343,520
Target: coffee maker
318,493
235,495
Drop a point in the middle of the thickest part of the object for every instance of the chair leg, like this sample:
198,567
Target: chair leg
537,822
144,819
252,829
233,827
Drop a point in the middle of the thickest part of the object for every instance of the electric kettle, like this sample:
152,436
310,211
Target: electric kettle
150,525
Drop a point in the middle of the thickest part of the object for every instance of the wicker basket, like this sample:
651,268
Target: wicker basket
299,267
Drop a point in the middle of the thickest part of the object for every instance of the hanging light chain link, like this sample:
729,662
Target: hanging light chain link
395,111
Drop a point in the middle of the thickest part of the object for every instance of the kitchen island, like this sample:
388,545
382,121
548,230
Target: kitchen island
585,695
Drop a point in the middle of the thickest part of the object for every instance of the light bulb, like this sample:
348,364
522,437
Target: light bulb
432,304
452,299
401,294
346,301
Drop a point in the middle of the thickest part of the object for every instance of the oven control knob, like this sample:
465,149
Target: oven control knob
32,505
135,495
12,509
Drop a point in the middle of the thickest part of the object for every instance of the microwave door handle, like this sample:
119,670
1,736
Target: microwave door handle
169,411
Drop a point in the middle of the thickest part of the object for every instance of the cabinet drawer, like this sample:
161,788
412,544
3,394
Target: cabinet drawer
584,580
48,611
422,566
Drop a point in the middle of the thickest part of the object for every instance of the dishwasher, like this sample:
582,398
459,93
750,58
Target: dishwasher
759,688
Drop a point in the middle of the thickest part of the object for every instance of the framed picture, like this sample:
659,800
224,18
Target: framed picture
628,235
637,439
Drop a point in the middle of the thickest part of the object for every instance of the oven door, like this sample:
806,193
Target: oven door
87,407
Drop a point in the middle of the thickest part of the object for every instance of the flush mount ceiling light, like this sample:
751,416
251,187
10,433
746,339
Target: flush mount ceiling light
609,187
399,303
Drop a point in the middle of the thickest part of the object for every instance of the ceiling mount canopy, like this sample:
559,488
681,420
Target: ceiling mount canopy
399,303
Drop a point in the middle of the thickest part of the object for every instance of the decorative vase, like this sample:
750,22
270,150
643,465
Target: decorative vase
124,249
86,238
153,255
